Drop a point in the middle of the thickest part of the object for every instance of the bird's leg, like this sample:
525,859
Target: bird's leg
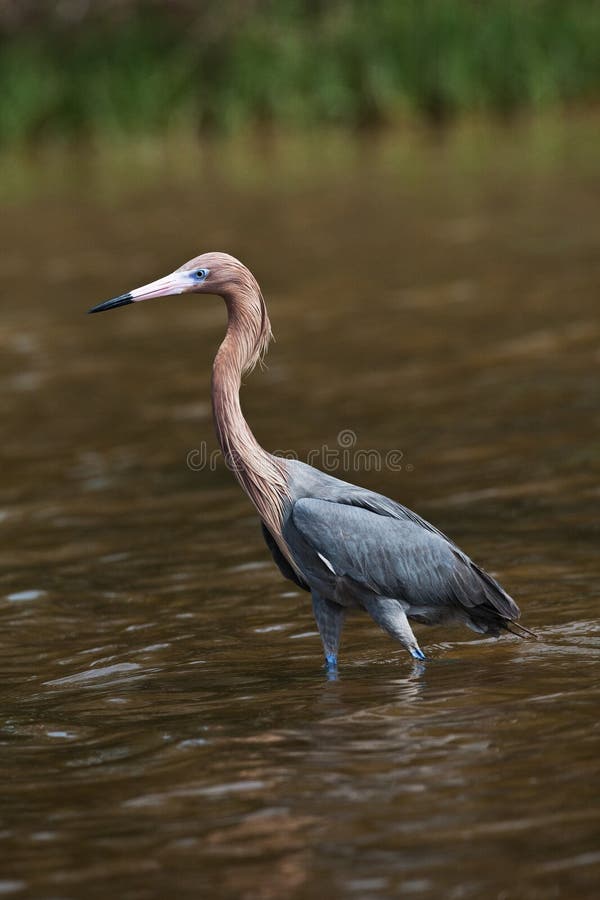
330,619
390,616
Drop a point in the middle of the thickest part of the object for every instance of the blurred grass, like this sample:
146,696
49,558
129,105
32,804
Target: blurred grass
147,68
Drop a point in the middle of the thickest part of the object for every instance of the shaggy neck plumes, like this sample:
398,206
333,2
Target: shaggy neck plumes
248,333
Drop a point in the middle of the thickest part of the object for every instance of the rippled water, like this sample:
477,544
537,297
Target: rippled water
167,728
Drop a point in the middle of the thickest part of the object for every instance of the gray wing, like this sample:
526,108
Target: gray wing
367,543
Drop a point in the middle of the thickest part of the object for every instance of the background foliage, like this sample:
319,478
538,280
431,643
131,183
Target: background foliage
76,67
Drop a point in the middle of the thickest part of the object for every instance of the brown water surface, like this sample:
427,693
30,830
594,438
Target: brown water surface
167,728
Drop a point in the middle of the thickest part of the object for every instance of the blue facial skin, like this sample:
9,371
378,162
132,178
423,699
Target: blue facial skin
199,275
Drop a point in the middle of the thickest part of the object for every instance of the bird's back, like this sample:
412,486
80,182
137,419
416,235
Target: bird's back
350,543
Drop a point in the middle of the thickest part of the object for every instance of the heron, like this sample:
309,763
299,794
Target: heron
349,547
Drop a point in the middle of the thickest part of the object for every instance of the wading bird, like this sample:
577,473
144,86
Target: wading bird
350,547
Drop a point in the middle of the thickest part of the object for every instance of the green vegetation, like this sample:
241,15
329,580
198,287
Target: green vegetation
150,68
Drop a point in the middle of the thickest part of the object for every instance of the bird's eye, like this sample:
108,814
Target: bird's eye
200,273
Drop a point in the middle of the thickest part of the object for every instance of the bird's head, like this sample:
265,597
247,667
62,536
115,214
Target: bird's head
210,273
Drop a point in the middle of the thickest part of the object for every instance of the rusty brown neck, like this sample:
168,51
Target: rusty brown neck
260,474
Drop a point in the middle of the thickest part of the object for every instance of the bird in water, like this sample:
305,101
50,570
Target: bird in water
351,548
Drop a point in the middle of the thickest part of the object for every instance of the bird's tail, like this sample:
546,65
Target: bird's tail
519,630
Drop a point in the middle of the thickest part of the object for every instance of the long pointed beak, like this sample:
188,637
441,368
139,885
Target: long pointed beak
175,283
123,300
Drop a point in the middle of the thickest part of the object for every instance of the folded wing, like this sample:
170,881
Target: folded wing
367,544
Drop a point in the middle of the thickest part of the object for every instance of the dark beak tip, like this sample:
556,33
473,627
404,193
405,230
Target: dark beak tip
123,300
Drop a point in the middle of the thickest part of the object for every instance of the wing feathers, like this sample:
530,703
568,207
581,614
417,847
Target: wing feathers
386,548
